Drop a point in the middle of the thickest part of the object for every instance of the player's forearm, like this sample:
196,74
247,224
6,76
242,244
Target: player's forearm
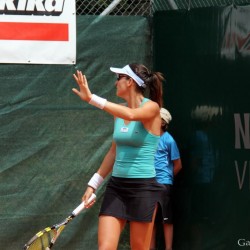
106,166
120,111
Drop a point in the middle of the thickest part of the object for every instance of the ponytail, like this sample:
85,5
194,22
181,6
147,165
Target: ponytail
152,80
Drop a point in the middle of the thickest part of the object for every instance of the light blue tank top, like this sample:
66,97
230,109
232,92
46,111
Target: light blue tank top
135,150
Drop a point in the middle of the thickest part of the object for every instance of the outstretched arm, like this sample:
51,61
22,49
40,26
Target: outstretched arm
147,112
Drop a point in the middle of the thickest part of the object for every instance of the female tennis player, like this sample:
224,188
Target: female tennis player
132,193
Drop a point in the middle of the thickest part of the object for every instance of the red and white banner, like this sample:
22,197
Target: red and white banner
38,31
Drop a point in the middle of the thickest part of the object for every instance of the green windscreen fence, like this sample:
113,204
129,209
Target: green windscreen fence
51,143
205,56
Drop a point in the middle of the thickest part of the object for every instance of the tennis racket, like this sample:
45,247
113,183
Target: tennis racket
46,238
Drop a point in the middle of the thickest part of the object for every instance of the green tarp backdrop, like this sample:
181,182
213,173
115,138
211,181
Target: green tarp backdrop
51,142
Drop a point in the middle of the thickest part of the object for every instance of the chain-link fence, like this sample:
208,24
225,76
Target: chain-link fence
116,7
145,7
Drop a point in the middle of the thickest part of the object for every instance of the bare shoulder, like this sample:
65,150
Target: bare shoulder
152,106
150,112
152,118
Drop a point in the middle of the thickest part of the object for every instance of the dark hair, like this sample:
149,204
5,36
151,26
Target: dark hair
152,80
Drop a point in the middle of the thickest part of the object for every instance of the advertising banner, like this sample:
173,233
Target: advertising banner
38,31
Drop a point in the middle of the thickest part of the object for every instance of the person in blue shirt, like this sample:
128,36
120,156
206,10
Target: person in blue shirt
167,165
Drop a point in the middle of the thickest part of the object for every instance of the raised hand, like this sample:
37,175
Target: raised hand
84,91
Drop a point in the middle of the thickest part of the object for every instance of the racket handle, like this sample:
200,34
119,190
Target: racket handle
82,205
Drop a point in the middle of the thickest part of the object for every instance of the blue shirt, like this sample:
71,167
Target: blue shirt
167,152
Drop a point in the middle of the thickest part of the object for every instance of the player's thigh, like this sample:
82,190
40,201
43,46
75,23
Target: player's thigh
109,231
141,233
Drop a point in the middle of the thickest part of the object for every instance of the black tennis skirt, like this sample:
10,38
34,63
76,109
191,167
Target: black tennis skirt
132,199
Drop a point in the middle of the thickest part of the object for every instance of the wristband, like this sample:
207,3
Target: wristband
95,181
97,101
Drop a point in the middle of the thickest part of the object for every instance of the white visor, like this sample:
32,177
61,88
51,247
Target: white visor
128,71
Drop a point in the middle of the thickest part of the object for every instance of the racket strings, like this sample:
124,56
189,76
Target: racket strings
43,240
